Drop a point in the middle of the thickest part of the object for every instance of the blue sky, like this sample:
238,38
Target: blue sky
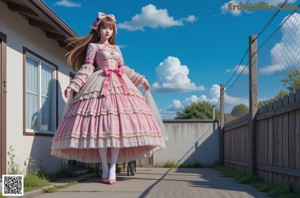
184,48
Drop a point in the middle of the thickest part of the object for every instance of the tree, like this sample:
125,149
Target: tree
239,110
292,82
198,110
280,94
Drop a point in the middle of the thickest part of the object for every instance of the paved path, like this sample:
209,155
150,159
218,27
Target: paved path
161,182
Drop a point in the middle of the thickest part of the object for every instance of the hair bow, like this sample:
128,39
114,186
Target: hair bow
101,16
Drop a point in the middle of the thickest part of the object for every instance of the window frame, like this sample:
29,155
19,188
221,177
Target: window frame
41,60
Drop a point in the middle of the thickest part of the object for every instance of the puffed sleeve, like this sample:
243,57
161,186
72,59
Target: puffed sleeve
136,78
86,70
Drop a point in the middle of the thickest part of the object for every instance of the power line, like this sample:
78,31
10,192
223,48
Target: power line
237,69
263,29
271,20
276,29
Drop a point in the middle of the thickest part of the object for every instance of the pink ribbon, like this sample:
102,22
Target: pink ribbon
101,16
108,72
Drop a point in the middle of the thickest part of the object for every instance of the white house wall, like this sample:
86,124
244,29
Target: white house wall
20,34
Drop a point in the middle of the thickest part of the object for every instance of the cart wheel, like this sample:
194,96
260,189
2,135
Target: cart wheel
98,167
118,169
131,168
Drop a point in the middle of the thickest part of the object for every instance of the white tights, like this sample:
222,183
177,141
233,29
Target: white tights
111,172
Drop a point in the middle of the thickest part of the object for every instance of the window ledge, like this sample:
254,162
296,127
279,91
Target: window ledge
38,133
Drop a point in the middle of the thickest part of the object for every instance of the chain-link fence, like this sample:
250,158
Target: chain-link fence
279,61
278,66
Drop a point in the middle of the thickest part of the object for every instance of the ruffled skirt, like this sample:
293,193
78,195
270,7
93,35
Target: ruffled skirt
92,121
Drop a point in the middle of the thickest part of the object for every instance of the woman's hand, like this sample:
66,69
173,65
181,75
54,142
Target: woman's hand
146,85
68,92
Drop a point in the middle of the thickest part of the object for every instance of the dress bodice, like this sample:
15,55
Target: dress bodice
105,55
110,62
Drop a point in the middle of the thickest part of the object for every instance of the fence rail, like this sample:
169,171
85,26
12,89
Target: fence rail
266,141
277,141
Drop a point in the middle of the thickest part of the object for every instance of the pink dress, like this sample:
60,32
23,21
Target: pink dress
107,111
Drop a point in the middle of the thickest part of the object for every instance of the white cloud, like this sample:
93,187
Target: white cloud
236,12
230,101
167,114
152,17
235,100
272,69
213,98
239,69
178,105
214,94
285,54
190,18
68,4
175,105
173,77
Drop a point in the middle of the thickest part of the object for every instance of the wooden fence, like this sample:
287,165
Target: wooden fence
277,142
265,142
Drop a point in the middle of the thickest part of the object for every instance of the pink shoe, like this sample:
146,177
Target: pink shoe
111,181
104,180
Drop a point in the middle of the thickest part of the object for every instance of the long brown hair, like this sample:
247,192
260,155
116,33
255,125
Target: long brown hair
77,46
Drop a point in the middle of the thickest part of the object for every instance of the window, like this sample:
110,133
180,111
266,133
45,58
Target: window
40,88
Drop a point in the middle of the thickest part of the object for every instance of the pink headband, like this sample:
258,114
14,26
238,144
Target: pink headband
101,16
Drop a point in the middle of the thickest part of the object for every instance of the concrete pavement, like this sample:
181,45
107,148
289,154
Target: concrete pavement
160,182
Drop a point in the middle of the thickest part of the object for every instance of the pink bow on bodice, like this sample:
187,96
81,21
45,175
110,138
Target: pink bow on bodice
108,72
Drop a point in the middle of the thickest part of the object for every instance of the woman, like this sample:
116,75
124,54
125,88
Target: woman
108,119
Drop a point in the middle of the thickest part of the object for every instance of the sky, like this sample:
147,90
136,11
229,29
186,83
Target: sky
184,48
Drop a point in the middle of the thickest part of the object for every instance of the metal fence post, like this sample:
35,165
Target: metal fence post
221,146
253,104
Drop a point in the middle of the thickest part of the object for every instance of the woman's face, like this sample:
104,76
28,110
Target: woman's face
106,32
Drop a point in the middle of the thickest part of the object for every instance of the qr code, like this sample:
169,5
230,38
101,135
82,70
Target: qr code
12,185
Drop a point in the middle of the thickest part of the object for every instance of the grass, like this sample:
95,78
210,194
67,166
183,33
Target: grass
56,187
284,190
170,164
33,181
37,179
194,165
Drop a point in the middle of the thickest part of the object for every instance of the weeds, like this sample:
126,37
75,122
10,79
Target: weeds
36,177
13,167
284,190
193,165
170,164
